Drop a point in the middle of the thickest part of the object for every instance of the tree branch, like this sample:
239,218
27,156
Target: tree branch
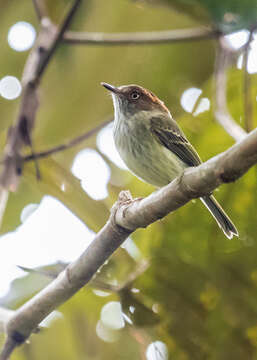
140,38
20,134
66,146
40,9
221,112
126,216
248,109
58,37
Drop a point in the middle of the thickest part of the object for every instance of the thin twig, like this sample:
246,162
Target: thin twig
248,108
140,38
221,111
40,9
95,282
126,216
66,146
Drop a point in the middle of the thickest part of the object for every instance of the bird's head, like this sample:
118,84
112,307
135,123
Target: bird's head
128,100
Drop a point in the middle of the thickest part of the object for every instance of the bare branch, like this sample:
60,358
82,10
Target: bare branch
66,146
221,111
126,216
140,38
20,134
248,108
8,348
59,35
40,9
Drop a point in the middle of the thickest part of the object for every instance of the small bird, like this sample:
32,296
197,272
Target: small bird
153,146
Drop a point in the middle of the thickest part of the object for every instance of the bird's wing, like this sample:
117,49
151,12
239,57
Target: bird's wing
168,133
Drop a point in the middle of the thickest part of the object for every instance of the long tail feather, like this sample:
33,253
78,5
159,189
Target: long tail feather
220,216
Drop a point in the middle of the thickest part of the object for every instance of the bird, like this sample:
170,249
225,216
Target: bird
153,146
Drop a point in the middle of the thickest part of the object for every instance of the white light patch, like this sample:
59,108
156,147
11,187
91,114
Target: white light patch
189,98
157,350
21,36
5,316
100,293
52,317
252,57
132,249
10,87
105,333
111,315
27,211
203,106
93,172
106,145
44,238
238,38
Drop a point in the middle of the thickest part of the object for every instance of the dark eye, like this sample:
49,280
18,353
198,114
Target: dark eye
134,95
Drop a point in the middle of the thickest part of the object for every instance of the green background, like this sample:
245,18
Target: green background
203,285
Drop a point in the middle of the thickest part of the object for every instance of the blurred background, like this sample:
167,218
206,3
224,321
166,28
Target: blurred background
178,289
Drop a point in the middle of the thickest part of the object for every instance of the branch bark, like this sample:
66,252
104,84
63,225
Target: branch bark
20,133
221,112
248,108
40,9
140,38
126,216
66,146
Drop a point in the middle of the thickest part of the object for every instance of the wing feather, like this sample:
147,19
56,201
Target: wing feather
167,132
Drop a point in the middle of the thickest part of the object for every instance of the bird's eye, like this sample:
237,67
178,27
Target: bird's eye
134,95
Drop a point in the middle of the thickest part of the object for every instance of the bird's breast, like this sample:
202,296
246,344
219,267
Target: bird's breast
144,155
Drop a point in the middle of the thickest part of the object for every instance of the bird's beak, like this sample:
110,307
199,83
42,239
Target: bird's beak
111,88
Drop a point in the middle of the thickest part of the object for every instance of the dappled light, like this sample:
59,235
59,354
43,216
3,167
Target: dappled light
189,98
252,59
93,172
111,315
10,87
21,36
157,351
105,143
49,225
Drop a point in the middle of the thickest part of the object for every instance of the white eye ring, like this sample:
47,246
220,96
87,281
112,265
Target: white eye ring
135,95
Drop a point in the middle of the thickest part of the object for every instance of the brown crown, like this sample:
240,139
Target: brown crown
146,101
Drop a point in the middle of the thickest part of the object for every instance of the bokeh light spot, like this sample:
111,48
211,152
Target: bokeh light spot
157,350
203,106
27,211
238,38
105,143
21,36
111,315
10,87
93,172
189,98
105,333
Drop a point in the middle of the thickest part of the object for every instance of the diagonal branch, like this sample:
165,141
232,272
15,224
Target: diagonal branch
140,38
221,112
20,133
40,9
248,108
58,37
126,217
67,145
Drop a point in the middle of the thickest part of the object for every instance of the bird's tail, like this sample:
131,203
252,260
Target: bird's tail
220,216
